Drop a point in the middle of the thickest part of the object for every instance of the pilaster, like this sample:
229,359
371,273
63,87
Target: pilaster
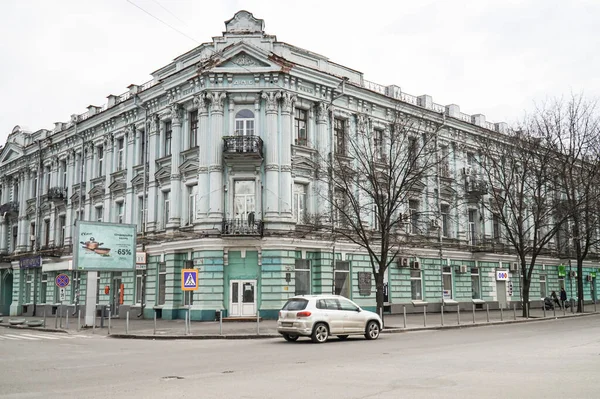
272,155
215,170
205,143
109,167
175,203
152,185
285,191
129,155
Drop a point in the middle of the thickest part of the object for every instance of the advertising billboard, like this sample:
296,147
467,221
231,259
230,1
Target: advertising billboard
104,246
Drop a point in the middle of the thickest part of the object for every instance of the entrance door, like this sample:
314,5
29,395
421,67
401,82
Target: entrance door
501,290
593,289
6,283
117,294
242,298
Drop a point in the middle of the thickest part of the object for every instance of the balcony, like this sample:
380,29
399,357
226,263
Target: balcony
10,208
56,194
241,227
243,148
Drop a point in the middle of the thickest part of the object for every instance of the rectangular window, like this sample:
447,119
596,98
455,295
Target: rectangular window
28,286
32,236
192,200
120,212
413,207
378,144
162,282
475,283
15,234
100,151
139,286
99,214
416,287
48,178
34,186
471,234
445,210
471,160
74,288
167,208
300,124
299,203
447,282
141,218
244,199
339,132
444,162
142,147
120,154
43,287
412,153
302,277
193,139
63,168
340,206
496,227
62,221
341,277
46,233
543,292
168,137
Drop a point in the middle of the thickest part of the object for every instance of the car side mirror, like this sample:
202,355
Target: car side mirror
358,310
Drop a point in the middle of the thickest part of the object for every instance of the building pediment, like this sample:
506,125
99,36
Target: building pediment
244,57
243,22
117,185
190,166
97,191
10,152
163,174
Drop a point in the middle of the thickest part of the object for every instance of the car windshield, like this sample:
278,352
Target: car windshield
295,304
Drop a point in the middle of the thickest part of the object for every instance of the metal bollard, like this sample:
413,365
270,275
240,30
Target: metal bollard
109,317
527,311
554,310
127,323
221,322
45,311
515,311
79,320
404,313
424,316
501,313
258,322
564,309
67,321
185,323
458,314
544,308
487,311
473,313
594,306
154,321
189,322
56,319
572,306
442,313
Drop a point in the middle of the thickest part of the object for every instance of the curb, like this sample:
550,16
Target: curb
18,327
203,337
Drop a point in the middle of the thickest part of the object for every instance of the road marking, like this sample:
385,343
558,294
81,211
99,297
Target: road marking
21,337
40,336
5,337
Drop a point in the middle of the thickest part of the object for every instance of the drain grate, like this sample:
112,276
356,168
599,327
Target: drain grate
227,372
172,377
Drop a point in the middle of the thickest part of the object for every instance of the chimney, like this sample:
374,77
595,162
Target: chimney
112,100
501,127
478,119
58,126
425,101
133,89
453,110
393,91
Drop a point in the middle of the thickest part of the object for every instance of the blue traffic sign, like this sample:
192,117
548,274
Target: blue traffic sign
62,280
189,279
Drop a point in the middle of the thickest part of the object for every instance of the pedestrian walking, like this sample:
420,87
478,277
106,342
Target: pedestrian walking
563,296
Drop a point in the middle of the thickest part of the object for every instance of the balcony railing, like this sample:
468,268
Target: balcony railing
10,208
241,227
56,194
243,145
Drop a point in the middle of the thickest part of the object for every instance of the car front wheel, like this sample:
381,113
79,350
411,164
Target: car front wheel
320,333
372,330
290,338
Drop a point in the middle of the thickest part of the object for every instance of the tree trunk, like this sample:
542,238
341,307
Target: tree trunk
379,293
525,298
579,285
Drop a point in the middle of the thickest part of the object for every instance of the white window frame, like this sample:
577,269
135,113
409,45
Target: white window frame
244,126
100,214
544,284
44,288
416,275
161,286
475,274
301,138
120,153
447,272
166,207
191,205
139,286
100,163
342,268
299,202
302,266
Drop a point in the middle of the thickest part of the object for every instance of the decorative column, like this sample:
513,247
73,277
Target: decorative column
129,156
204,148
215,169
22,220
271,148
285,191
109,143
69,217
53,183
322,207
152,185
89,153
175,203
3,220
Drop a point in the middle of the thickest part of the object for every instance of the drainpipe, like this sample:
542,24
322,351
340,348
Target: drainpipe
144,194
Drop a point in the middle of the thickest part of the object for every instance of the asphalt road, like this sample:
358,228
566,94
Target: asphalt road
557,359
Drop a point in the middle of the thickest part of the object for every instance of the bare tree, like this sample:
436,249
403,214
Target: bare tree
373,173
572,129
519,169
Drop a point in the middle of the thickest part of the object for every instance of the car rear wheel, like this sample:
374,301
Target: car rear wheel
320,333
372,330
290,338
342,337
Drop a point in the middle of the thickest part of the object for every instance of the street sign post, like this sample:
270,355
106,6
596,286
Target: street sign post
189,280
63,294
62,280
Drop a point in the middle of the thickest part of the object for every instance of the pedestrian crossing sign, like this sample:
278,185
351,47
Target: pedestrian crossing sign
189,280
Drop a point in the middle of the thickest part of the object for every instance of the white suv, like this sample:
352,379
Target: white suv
319,316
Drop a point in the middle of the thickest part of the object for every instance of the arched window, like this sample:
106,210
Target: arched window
244,123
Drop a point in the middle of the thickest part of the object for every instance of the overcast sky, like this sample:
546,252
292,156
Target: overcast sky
495,57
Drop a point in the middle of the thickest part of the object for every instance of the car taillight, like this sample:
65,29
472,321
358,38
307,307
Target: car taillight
303,314
280,314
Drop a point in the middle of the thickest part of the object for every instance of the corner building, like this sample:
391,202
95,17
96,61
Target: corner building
214,161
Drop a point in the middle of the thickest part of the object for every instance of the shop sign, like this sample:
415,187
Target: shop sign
562,271
140,260
30,262
105,246
501,275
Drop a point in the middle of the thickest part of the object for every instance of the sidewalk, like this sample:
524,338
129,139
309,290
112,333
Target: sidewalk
176,329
